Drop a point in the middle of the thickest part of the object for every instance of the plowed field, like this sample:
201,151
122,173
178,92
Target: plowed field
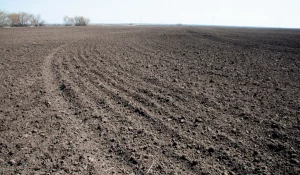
149,100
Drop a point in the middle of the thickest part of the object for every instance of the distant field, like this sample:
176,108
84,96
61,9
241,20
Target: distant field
149,100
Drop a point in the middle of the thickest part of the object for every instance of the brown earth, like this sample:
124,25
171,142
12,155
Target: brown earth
149,100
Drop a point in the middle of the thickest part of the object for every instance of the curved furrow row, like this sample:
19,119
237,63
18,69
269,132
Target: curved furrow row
92,108
64,109
115,104
133,108
85,85
126,99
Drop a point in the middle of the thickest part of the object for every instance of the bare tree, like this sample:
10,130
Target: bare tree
3,19
68,21
32,20
35,20
24,18
14,19
81,21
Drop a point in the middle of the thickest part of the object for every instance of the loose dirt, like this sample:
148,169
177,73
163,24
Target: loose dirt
149,100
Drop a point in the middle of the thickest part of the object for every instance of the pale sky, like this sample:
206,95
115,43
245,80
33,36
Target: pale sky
258,13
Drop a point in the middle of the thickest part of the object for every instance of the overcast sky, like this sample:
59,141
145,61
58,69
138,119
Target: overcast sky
259,13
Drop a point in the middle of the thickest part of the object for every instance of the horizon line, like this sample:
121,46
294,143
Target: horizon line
179,24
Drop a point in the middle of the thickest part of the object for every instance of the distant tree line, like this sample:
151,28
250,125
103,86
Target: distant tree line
76,21
21,19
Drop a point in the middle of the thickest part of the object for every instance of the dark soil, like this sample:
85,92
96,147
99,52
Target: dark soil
149,100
